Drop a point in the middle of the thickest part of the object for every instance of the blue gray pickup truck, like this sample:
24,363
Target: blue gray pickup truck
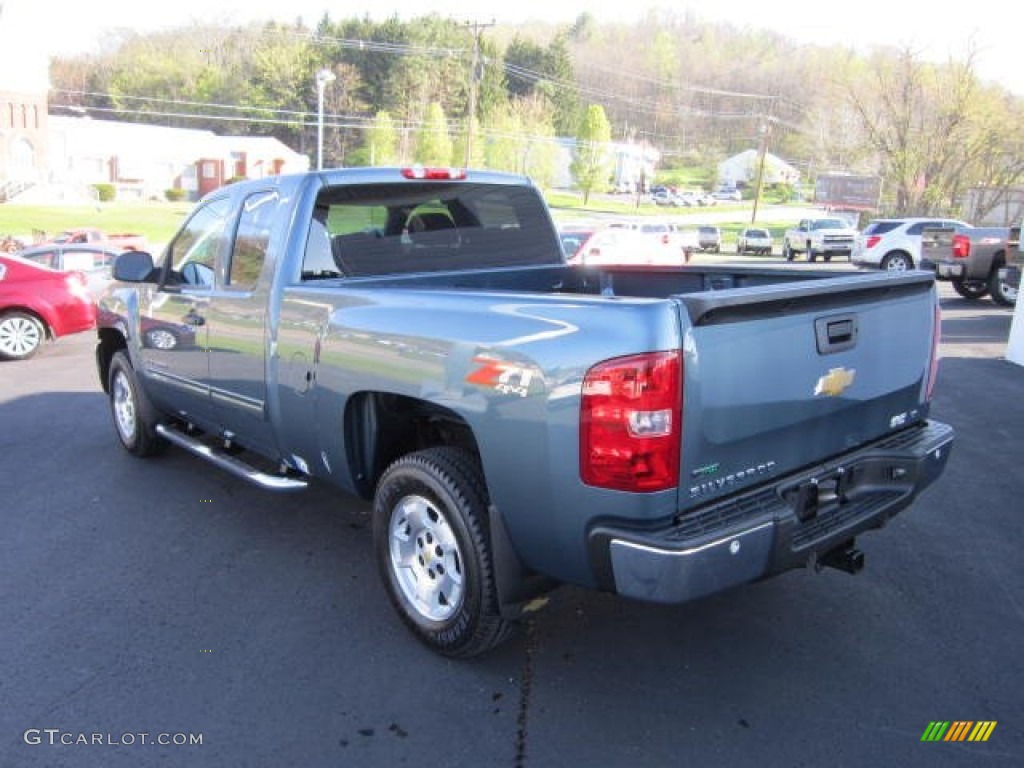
415,337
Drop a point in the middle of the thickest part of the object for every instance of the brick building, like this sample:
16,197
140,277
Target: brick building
24,84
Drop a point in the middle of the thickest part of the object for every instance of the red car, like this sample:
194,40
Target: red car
37,302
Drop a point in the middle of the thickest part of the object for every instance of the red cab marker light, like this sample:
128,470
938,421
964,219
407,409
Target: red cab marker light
433,174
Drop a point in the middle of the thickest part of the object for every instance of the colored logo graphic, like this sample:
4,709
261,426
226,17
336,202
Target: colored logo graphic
835,382
958,730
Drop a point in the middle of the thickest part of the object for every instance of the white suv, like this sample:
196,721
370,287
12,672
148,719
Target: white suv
894,244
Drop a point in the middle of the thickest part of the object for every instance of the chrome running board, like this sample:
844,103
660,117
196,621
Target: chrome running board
230,463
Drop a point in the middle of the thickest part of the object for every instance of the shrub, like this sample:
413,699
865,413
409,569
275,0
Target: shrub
105,193
175,195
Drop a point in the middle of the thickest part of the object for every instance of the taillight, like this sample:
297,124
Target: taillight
961,246
631,422
664,239
872,241
433,174
933,369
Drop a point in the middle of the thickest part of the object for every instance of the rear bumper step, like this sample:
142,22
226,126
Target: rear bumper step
232,464
776,526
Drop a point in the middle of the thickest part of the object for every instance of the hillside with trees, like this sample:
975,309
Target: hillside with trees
435,90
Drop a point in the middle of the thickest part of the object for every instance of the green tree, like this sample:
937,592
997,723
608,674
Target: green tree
380,145
920,119
591,162
504,135
434,145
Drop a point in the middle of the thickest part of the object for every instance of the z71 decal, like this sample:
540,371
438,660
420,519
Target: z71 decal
506,378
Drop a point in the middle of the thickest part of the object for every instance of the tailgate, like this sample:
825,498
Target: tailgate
937,245
786,376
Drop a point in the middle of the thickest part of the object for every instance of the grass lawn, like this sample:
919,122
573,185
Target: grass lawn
156,221
159,221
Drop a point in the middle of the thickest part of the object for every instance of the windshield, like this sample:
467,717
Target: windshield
828,224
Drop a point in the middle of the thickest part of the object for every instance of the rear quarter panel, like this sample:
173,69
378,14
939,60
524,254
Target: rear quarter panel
448,348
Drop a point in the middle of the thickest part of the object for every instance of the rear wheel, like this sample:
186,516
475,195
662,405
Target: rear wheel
897,261
970,289
1001,291
21,335
787,251
433,550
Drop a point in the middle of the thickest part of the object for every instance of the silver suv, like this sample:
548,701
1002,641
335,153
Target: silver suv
894,244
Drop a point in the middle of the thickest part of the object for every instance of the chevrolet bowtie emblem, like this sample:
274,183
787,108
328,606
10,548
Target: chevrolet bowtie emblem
835,382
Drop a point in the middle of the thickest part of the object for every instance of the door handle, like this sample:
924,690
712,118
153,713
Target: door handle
836,333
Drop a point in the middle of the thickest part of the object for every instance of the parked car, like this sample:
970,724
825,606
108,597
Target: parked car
732,195
10,244
38,303
635,243
753,240
666,197
976,260
94,261
819,237
895,244
709,239
124,241
574,239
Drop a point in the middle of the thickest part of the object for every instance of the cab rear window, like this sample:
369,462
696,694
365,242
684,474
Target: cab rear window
389,229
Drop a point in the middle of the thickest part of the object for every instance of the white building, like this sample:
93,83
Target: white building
741,169
142,161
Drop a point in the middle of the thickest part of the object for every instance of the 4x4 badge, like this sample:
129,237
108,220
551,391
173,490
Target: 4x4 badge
835,382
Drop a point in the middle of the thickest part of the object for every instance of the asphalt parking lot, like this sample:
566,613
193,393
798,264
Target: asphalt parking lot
166,598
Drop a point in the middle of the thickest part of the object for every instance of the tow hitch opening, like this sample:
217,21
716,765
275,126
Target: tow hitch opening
846,557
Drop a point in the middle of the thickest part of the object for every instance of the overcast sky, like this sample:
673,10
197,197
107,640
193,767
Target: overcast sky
937,29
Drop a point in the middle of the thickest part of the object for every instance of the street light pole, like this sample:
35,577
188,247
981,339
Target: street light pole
323,77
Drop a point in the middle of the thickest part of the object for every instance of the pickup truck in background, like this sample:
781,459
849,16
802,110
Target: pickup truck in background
123,240
415,337
974,260
819,237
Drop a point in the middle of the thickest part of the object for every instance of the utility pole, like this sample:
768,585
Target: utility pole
764,129
478,30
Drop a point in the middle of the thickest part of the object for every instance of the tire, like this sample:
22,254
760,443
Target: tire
970,289
1002,293
433,551
897,261
135,419
810,252
21,335
787,251
161,338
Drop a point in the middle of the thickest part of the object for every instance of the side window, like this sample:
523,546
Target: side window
86,261
193,252
257,227
47,259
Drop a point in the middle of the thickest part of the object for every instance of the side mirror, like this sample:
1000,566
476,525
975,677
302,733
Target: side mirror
134,267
